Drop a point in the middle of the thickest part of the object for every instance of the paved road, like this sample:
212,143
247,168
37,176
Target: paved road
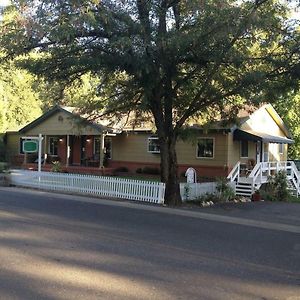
65,247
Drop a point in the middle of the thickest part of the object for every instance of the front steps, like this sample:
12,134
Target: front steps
244,189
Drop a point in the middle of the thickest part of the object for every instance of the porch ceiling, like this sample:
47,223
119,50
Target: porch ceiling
250,135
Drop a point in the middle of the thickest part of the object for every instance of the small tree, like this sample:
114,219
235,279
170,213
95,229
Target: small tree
170,60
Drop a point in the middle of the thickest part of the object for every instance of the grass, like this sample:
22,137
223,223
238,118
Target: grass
294,199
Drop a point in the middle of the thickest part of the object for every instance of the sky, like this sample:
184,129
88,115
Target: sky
4,2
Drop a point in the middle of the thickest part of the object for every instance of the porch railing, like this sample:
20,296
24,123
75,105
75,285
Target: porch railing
234,175
93,185
263,170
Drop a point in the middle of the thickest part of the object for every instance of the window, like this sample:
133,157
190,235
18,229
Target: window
153,145
97,146
244,149
53,145
107,147
205,148
21,146
281,148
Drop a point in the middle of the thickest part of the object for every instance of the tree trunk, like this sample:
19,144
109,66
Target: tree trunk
169,171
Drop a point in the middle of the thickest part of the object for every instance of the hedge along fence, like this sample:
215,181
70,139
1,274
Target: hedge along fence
92,185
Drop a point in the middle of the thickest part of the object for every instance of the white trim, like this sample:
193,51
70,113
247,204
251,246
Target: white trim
214,146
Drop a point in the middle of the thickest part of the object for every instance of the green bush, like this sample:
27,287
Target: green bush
56,166
276,189
225,191
139,171
279,186
121,169
151,171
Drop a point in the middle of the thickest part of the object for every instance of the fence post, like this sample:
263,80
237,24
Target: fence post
161,193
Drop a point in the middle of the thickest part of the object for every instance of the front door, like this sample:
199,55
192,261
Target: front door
258,151
265,152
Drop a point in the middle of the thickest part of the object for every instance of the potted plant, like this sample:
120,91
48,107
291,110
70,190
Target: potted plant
256,196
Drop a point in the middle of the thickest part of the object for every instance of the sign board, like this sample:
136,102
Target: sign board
30,146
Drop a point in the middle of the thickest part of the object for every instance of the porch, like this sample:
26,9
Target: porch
246,184
72,152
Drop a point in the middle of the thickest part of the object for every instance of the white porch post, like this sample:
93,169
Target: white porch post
68,151
40,153
101,150
45,149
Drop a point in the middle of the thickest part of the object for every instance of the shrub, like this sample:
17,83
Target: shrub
277,187
121,169
225,191
56,166
139,171
151,171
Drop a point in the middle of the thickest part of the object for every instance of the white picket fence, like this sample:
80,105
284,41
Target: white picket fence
191,191
93,185
104,186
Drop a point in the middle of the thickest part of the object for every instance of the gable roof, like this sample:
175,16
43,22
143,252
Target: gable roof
274,115
71,111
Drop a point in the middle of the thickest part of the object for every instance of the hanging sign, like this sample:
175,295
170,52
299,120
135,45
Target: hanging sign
30,146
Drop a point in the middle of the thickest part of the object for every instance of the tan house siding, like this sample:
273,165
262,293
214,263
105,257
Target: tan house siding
134,147
233,151
62,124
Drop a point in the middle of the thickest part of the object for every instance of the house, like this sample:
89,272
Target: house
86,146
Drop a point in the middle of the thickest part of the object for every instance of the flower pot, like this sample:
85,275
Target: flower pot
256,197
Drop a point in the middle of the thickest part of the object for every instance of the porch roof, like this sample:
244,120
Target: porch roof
250,135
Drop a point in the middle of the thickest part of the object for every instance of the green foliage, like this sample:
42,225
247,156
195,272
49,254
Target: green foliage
151,171
121,169
277,188
56,166
175,61
289,107
19,103
225,191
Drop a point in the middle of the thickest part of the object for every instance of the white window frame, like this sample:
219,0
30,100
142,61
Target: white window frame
148,145
49,144
214,146
241,148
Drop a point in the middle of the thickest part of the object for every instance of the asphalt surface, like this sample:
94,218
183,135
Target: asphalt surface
68,247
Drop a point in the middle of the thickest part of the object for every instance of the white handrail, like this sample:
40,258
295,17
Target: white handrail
235,173
295,174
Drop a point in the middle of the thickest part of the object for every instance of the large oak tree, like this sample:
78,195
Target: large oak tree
172,59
